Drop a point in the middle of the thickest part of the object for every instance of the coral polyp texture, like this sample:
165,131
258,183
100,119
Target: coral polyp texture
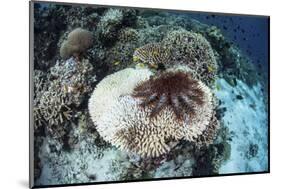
152,54
112,87
149,114
78,41
193,50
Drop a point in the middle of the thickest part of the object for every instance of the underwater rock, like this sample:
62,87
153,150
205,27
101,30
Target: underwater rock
76,43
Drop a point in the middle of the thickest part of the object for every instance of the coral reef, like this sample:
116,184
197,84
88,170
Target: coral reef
137,123
112,21
109,25
70,82
153,54
195,51
77,42
146,130
181,166
181,47
120,55
178,91
112,87
46,36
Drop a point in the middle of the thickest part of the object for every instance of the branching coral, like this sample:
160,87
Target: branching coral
112,21
53,105
208,136
151,127
70,83
120,55
109,25
128,35
77,42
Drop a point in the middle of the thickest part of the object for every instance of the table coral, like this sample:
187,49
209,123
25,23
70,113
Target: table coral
125,123
152,54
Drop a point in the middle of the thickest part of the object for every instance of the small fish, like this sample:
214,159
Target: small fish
140,65
116,63
210,68
135,59
153,65
218,87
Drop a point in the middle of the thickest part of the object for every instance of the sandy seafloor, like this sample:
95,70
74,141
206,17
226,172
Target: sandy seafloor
247,126
73,151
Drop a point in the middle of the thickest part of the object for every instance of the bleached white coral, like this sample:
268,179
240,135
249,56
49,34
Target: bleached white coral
121,120
112,87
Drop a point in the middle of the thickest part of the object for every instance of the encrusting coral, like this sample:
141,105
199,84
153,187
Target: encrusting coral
151,127
77,42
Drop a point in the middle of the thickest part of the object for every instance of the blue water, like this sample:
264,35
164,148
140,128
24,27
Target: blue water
249,33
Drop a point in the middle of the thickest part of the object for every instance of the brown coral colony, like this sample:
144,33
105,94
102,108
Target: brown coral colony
175,90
